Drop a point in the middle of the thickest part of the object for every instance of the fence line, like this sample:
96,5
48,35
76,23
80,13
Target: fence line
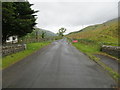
112,50
10,49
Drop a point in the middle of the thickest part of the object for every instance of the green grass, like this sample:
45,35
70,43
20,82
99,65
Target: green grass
106,33
92,37
13,58
89,50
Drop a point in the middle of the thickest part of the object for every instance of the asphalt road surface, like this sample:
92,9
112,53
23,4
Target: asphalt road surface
59,65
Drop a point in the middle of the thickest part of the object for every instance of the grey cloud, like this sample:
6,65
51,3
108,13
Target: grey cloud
73,15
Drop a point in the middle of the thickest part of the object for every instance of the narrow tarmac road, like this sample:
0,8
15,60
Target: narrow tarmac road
58,66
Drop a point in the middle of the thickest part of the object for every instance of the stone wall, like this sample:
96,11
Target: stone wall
10,49
112,50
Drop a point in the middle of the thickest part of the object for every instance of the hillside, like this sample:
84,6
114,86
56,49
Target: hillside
106,32
48,33
39,31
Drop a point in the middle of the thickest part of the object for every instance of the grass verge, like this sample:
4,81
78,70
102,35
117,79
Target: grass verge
13,58
89,50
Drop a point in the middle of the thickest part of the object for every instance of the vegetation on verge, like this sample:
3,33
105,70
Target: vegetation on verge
87,48
90,50
91,38
13,58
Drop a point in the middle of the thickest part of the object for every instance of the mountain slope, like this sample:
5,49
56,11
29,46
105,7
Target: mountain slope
48,33
39,31
106,32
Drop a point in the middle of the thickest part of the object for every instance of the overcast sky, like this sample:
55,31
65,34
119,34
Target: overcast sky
75,15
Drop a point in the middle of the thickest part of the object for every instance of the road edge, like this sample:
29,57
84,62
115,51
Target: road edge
39,50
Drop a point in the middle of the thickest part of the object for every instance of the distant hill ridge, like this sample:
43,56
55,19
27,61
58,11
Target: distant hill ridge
93,26
105,32
48,33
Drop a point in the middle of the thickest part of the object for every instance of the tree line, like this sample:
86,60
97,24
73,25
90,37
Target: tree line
18,19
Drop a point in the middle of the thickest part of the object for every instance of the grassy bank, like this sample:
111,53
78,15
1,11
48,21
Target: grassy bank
105,33
90,50
87,48
13,58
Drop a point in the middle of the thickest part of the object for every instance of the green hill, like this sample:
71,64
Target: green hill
39,31
105,33
48,33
